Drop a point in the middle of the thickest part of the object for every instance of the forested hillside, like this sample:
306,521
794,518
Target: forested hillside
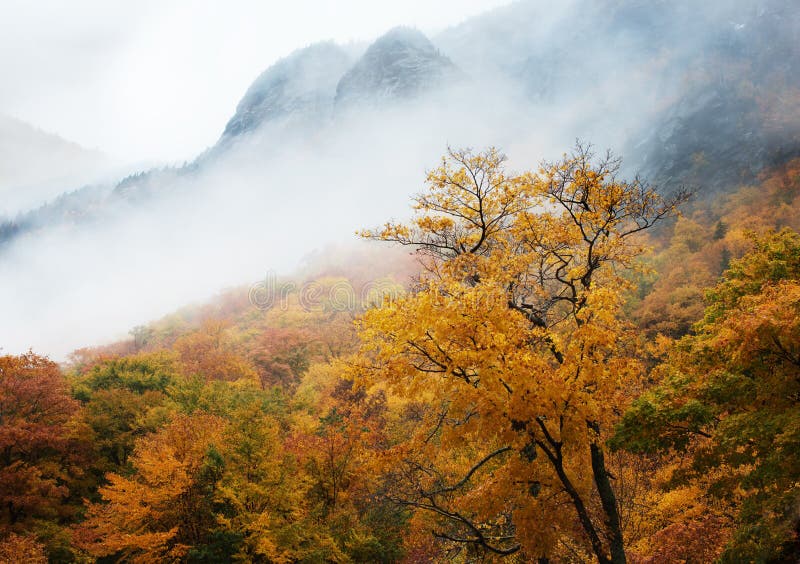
556,365
413,318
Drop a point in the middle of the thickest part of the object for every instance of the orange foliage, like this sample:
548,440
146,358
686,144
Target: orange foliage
160,512
211,354
16,549
699,247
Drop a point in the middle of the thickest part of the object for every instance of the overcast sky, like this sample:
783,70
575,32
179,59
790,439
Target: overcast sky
158,79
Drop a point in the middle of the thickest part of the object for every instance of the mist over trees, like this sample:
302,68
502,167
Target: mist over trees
528,350
515,401
690,95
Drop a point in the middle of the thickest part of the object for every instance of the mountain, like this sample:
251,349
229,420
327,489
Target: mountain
36,166
331,139
400,65
699,94
310,85
300,86
705,95
740,113
295,98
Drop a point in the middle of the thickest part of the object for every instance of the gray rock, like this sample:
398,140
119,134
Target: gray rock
301,86
400,65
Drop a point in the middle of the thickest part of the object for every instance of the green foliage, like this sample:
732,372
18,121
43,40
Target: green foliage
645,427
773,258
730,396
137,373
220,547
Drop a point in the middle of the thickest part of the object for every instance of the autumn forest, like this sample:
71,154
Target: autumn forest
512,282
573,368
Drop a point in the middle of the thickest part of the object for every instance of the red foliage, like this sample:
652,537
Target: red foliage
38,455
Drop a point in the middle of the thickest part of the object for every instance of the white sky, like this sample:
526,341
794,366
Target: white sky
158,79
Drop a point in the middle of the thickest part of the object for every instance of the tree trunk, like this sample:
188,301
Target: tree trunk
609,501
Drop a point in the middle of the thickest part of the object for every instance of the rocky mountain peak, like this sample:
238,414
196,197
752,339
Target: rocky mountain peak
301,84
401,64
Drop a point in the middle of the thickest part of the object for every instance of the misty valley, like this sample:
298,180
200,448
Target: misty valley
478,282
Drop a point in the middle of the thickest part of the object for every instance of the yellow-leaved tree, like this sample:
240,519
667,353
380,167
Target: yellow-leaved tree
164,509
511,353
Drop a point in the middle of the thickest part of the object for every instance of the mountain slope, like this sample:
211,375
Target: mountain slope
700,95
36,166
740,113
714,87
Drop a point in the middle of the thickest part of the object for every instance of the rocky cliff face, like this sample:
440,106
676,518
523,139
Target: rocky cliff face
713,87
309,86
398,66
301,86
740,111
